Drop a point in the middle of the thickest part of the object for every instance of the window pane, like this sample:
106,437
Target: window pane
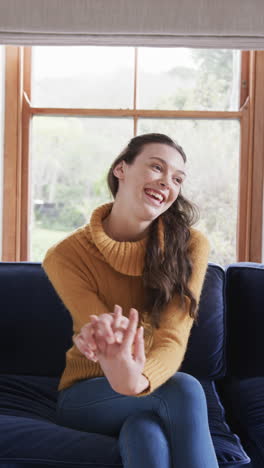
212,150
93,77
70,160
188,79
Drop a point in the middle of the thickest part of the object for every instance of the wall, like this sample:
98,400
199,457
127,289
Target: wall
2,100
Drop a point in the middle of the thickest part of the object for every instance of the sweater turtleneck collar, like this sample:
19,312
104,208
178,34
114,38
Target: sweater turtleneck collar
127,257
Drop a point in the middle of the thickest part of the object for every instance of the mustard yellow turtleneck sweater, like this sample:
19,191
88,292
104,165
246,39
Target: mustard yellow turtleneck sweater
92,272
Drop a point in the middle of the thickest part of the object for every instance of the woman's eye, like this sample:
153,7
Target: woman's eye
178,180
156,165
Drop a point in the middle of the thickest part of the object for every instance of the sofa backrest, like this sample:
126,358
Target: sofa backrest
205,355
244,297
36,328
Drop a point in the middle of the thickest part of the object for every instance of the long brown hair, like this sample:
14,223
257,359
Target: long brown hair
165,273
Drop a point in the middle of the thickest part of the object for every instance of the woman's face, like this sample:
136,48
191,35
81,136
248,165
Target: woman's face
152,183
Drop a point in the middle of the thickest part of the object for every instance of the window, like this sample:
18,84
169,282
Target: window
70,161
82,104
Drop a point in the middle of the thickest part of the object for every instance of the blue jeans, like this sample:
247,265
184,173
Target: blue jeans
168,428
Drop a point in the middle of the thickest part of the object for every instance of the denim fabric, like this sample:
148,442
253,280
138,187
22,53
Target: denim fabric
168,428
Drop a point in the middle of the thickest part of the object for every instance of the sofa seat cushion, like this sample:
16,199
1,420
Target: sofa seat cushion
244,402
28,396
36,442
228,447
29,435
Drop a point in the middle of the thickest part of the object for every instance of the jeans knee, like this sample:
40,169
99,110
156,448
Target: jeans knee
184,387
144,424
143,442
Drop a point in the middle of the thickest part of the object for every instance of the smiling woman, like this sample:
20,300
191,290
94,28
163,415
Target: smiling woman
167,222
141,257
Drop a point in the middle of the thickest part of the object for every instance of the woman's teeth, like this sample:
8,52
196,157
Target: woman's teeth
154,196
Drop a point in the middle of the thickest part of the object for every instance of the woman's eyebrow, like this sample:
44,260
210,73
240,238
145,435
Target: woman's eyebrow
164,162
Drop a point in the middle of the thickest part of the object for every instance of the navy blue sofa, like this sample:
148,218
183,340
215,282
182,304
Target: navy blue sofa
225,353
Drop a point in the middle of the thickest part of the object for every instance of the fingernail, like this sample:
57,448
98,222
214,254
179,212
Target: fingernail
93,318
110,340
117,307
119,337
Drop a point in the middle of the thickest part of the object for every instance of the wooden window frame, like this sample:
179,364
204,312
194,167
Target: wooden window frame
18,113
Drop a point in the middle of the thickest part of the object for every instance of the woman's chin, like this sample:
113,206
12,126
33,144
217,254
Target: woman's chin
151,212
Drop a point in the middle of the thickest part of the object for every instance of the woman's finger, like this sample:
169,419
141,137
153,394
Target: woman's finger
78,341
120,332
101,343
139,346
117,316
81,344
90,354
118,324
104,327
131,329
87,332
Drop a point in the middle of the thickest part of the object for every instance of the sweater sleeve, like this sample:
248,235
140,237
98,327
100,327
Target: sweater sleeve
74,284
170,340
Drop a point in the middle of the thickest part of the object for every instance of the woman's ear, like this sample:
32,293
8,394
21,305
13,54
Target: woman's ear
119,170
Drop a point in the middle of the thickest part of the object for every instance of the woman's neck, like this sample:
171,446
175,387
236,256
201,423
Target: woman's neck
124,229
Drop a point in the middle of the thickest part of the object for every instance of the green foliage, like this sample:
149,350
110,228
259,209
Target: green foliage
214,77
60,218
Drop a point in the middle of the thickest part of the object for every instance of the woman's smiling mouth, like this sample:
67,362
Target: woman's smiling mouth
156,199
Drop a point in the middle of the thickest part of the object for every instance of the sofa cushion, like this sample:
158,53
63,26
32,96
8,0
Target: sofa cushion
28,433
244,402
228,447
205,355
28,396
31,441
245,319
36,328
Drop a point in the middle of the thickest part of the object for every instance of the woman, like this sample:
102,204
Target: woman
138,262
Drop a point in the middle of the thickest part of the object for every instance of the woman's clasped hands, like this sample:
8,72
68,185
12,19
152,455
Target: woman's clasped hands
115,341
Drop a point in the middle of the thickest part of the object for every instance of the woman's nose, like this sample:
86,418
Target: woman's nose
163,183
